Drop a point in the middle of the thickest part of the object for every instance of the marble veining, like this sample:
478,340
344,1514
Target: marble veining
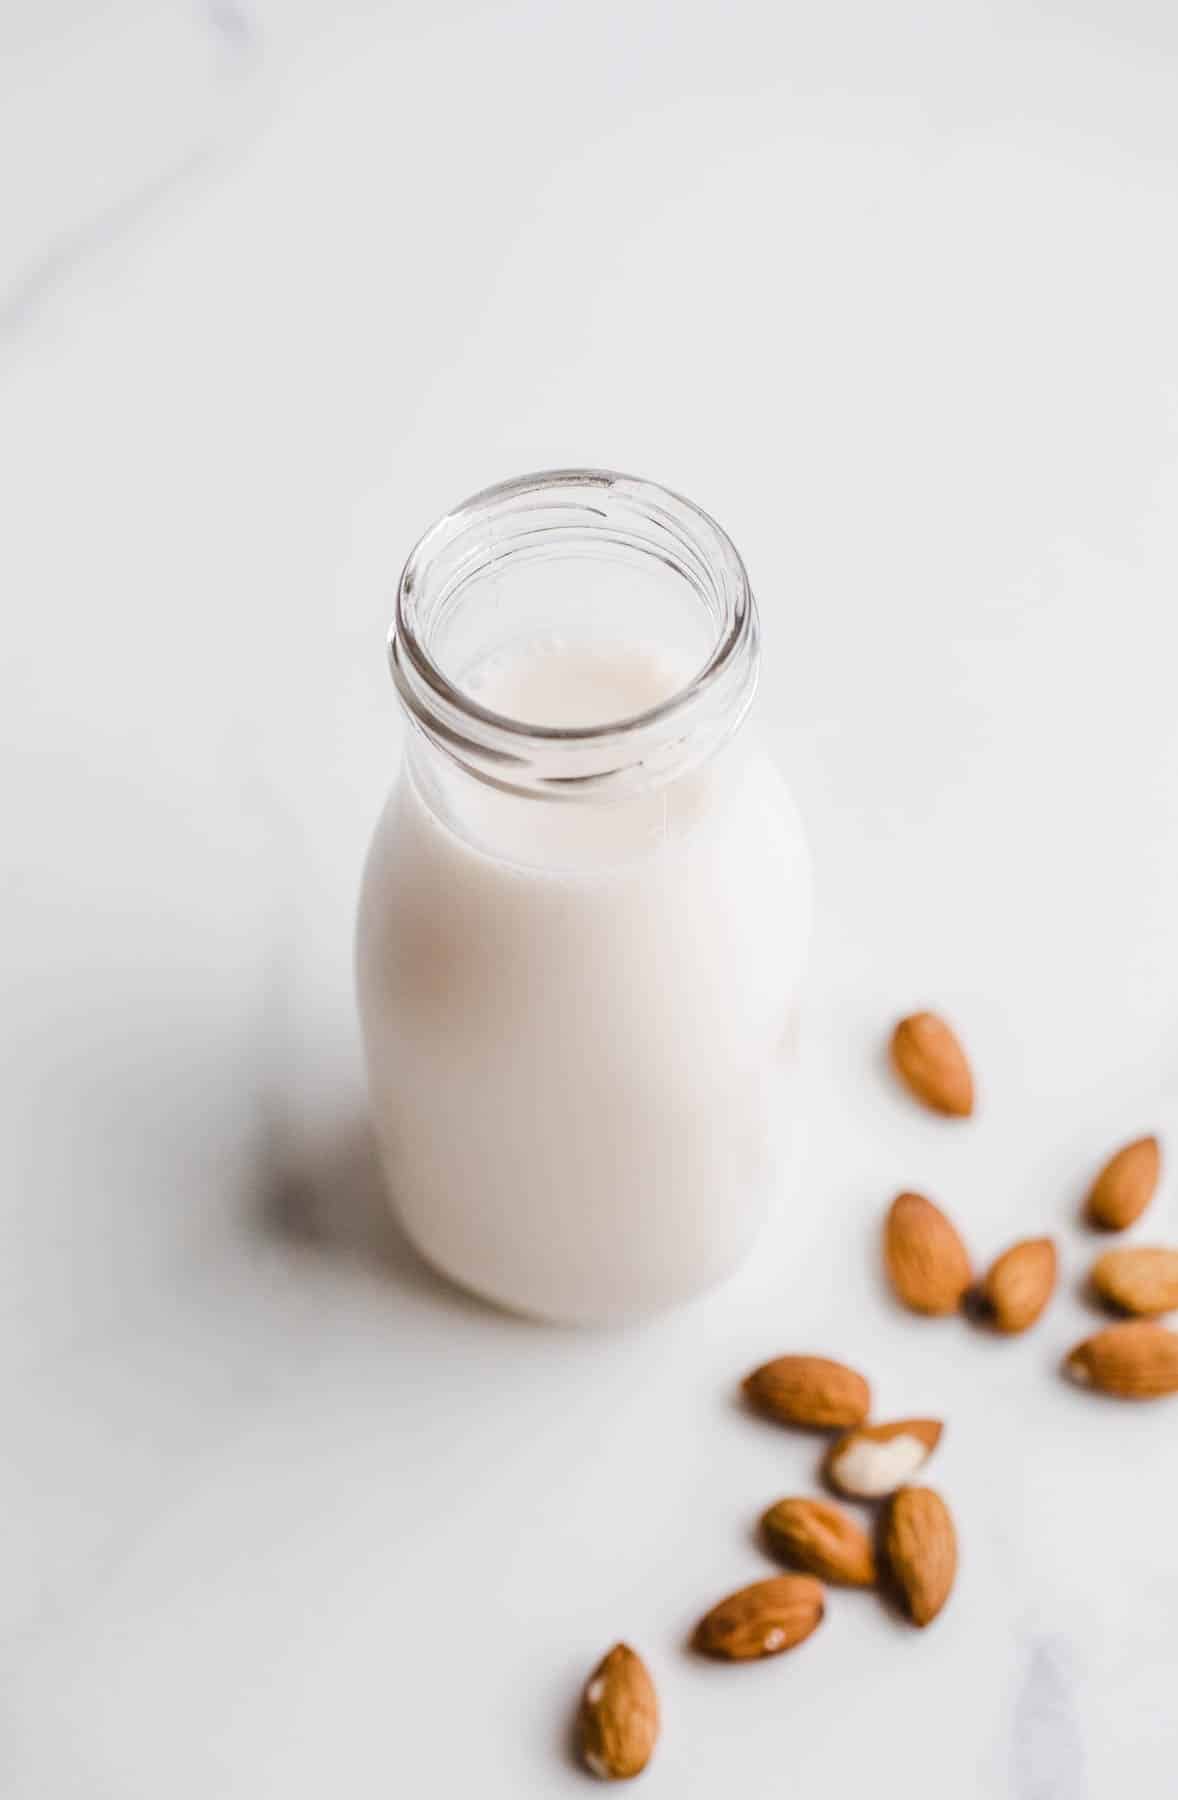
1047,1743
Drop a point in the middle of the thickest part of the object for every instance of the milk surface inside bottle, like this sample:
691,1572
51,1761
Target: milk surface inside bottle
586,908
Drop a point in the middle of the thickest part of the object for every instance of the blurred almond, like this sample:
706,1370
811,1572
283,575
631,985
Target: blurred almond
619,1717
926,1260
1135,1361
920,1548
821,1539
874,1460
762,1620
1142,1281
1019,1284
1125,1186
932,1065
809,1390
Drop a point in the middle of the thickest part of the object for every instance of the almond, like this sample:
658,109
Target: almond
762,1620
920,1547
822,1540
1019,1284
1137,1361
809,1390
1125,1186
876,1459
932,1065
926,1259
1139,1281
619,1717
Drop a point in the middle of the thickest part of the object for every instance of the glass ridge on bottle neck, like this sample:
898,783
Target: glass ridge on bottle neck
575,551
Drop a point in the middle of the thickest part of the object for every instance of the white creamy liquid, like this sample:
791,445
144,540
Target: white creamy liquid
577,1014
552,682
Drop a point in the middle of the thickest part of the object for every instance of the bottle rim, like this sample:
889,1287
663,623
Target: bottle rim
587,507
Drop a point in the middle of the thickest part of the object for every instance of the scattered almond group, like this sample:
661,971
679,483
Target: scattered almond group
912,1554
929,1266
915,1556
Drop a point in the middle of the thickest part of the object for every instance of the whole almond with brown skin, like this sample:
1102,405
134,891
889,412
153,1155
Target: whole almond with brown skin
1125,1186
1019,1284
1138,1280
1135,1361
874,1460
809,1390
926,1260
932,1065
762,1620
821,1539
619,1718
920,1549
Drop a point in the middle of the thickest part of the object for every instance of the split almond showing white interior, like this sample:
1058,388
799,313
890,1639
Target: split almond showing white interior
619,1718
1140,1280
920,1549
874,1460
926,1260
1134,1361
932,1065
762,1620
1019,1284
822,1540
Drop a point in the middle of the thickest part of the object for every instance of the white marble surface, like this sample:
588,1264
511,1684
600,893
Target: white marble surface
892,290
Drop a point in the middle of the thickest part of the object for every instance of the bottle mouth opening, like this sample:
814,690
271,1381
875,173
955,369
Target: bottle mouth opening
644,566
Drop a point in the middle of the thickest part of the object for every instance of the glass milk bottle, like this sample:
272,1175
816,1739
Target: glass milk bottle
586,907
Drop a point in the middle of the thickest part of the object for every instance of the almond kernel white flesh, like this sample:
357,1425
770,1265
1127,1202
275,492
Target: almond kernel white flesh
871,1470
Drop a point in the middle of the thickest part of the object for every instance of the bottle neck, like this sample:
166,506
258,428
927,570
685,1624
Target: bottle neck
611,830
602,571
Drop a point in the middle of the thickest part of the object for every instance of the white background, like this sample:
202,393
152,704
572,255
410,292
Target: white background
893,291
